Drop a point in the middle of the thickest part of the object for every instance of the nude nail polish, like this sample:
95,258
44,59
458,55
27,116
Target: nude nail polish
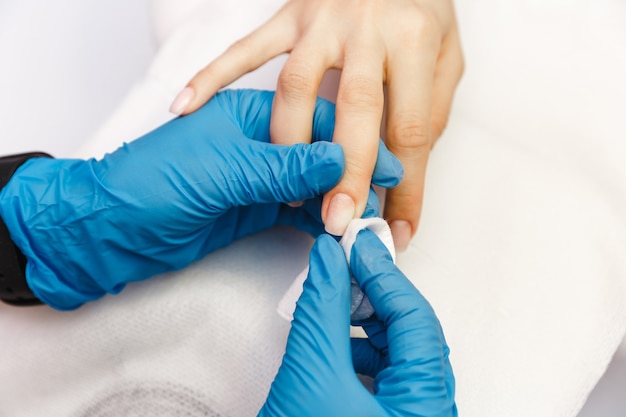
401,232
340,213
182,100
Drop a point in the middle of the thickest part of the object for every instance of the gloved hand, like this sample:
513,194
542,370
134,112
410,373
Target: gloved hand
167,199
406,351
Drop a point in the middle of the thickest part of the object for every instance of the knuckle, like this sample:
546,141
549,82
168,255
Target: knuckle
410,133
296,83
420,24
362,95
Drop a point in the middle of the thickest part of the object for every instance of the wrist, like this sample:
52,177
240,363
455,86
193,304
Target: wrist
14,288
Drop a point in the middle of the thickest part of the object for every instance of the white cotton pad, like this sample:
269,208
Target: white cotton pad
360,307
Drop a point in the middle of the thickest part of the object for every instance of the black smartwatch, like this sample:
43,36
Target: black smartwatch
13,286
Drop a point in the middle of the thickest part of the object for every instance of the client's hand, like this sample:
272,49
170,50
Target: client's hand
406,351
411,45
167,199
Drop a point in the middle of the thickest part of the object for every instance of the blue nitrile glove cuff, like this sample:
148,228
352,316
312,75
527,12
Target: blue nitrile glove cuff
14,289
41,195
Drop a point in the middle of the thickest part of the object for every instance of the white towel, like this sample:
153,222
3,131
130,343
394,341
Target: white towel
521,247
360,308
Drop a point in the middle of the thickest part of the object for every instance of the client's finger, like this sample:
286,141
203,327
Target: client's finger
448,73
247,54
296,92
410,79
388,171
359,111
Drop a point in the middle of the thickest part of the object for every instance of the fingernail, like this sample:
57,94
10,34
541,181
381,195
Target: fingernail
295,203
401,232
340,212
182,100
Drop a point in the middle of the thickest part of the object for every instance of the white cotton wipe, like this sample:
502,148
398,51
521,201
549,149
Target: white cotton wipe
360,307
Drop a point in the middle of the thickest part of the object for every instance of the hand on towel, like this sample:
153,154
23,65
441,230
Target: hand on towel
412,46
406,352
170,197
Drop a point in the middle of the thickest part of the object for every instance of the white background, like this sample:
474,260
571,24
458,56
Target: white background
66,65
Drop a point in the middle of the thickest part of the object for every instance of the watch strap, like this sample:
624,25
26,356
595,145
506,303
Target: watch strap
14,288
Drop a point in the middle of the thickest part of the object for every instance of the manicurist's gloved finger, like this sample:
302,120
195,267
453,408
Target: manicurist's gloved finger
318,347
388,171
372,208
324,307
371,355
267,173
397,302
417,350
366,359
305,217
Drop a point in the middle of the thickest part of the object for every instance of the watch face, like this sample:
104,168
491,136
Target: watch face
148,399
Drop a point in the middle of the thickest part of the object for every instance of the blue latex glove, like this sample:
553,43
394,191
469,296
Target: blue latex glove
406,352
167,199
